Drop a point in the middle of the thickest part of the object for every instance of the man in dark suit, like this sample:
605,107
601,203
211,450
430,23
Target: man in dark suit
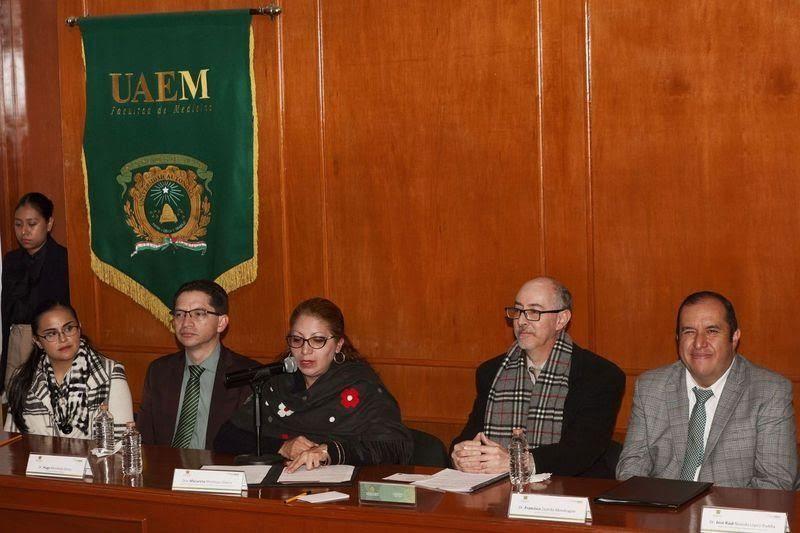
567,398
185,401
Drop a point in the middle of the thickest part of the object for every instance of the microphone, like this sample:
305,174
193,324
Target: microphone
260,373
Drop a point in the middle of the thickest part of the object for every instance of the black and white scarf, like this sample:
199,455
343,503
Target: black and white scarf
516,402
70,401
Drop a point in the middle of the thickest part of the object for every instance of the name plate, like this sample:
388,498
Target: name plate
374,491
57,466
546,507
742,520
221,481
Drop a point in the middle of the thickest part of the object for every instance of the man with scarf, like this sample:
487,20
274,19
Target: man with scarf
565,397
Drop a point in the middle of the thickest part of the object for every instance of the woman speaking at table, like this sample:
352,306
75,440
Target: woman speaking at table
60,388
334,410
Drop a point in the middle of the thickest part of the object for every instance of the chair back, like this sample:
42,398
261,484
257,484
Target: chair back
429,450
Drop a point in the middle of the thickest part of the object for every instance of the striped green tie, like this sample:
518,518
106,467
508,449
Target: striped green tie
697,428
188,416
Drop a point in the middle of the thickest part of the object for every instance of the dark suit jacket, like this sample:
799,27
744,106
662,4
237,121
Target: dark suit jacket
596,386
162,393
53,285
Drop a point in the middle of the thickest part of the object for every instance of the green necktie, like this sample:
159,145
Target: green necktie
188,416
697,427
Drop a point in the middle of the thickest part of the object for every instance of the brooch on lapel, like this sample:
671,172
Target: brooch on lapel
350,398
283,411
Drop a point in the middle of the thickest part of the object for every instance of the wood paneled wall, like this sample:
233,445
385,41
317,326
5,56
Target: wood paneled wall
420,160
30,111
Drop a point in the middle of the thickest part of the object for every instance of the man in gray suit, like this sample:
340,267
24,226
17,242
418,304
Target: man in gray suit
713,415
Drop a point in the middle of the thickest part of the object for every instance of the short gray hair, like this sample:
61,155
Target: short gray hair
563,295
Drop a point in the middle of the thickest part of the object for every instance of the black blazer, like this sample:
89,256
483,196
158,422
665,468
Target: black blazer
596,386
158,411
53,285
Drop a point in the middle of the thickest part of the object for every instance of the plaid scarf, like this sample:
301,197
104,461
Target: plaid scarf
69,401
516,402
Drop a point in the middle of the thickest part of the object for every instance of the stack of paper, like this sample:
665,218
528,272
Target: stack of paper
454,481
323,474
254,473
324,497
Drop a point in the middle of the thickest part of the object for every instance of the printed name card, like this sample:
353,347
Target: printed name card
223,481
57,466
742,520
377,492
546,507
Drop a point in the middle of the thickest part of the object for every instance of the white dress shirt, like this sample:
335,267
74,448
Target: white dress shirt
711,403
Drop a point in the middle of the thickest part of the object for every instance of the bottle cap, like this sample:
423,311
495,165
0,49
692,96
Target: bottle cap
130,424
104,407
517,432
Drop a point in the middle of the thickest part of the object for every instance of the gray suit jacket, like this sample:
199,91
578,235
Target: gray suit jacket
752,442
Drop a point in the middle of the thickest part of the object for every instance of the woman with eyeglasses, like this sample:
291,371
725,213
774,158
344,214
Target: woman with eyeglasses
333,410
32,273
60,388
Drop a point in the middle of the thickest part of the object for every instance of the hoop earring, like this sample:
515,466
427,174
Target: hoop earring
337,360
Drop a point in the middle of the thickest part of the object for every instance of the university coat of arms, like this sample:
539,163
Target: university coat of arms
168,207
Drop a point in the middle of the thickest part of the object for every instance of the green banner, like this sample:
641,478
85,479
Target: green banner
170,155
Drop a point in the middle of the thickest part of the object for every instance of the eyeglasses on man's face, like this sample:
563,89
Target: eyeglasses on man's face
195,314
316,342
52,335
530,314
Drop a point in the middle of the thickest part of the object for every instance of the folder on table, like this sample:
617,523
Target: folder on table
654,492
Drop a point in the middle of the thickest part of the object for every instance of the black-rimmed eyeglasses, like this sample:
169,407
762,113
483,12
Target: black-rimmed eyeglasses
530,314
195,314
296,341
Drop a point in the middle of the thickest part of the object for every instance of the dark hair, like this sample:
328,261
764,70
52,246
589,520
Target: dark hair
22,379
217,295
697,297
38,201
328,312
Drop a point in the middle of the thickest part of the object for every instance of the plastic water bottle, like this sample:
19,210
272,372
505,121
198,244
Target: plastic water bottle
519,467
103,428
131,450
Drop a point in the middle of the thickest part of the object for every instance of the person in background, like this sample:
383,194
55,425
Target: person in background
59,389
33,273
185,401
334,410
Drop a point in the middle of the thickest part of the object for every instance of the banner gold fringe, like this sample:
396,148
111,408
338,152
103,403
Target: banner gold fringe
246,273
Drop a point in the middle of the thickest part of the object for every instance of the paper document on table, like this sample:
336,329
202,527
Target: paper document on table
323,474
254,473
407,478
454,481
323,497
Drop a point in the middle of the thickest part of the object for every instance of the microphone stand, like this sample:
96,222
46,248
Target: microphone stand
257,459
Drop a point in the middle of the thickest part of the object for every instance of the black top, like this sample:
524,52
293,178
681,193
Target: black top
28,280
348,408
596,386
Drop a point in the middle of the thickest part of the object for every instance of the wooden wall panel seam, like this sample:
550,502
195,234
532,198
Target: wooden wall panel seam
326,275
590,232
540,140
281,87
6,233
